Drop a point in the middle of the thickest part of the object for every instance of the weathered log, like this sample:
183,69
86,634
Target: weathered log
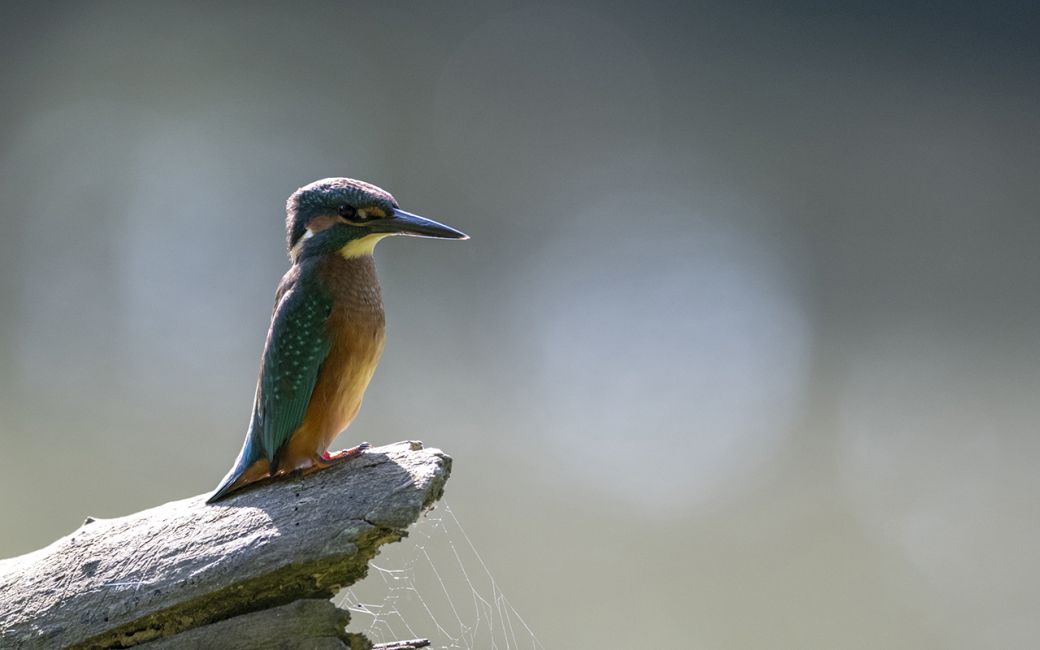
310,623
184,565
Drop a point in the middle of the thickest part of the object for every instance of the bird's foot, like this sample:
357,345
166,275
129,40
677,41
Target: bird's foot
344,454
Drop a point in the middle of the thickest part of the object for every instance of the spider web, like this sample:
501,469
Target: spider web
436,586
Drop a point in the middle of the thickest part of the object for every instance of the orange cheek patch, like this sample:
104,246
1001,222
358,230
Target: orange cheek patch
324,222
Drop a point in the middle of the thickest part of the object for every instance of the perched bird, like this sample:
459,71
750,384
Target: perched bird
327,329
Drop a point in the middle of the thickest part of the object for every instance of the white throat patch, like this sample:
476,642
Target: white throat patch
294,252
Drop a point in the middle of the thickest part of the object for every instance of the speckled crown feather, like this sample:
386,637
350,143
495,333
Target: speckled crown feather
325,197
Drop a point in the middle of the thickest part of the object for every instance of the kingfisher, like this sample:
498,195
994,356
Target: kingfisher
327,330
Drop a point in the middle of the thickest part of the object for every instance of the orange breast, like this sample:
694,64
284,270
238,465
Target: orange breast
356,328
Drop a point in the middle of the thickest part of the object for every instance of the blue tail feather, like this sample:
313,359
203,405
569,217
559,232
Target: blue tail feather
250,454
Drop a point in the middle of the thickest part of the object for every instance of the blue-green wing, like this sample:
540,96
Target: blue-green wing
296,347
294,352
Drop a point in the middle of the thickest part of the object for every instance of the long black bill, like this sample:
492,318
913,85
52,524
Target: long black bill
406,223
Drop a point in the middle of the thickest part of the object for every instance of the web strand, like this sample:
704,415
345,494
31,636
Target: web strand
424,594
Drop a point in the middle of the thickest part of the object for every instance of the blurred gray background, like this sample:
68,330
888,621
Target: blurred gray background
744,351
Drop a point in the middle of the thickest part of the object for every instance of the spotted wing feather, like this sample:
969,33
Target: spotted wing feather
296,347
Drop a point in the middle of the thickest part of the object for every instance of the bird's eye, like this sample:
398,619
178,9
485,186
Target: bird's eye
347,211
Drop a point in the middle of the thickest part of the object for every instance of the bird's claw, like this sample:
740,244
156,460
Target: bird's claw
345,454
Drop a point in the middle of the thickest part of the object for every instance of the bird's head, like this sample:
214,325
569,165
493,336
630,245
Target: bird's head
349,216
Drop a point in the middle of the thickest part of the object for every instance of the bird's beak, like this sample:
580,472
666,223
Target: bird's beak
406,223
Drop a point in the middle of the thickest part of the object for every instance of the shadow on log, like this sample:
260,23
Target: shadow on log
156,575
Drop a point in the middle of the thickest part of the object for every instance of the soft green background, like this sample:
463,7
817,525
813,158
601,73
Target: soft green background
744,351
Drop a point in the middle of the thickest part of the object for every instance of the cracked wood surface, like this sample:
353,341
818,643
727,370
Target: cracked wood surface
181,565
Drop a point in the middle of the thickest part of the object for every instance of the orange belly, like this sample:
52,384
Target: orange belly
357,343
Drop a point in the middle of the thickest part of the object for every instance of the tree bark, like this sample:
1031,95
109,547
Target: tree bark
161,572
